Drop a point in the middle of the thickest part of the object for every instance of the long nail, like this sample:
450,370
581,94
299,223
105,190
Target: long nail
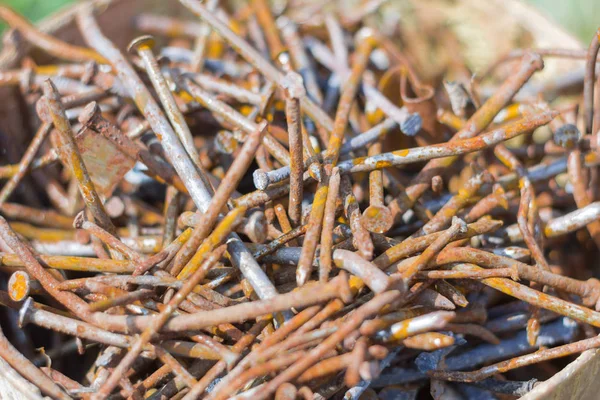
25,162
457,202
589,82
325,258
458,227
373,277
26,368
362,313
313,233
423,323
294,90
293,41
263,179
588,290
106,237
254,58
254,226
377,217
143,46
476,124
361,236
198,57
504,366
157,323
47,42
234,117
73,158
495,199
223,193
174,149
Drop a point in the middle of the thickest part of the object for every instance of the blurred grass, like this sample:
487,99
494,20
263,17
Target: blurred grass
580,17
34,10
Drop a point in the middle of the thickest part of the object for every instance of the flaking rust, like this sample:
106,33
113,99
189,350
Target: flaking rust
107,165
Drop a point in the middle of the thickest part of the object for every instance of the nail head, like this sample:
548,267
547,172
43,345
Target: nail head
141,43
19,285
377,219
261,179
89,113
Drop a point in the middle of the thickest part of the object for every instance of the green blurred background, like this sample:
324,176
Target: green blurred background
580,17
35,9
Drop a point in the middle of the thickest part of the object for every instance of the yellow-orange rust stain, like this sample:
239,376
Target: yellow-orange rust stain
591,158
382,164
356,284
400,330
215,46
358,160
371,212
18,289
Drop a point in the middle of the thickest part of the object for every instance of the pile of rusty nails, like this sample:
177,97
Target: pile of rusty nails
399,237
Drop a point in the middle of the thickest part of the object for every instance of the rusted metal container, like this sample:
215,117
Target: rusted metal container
576,381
